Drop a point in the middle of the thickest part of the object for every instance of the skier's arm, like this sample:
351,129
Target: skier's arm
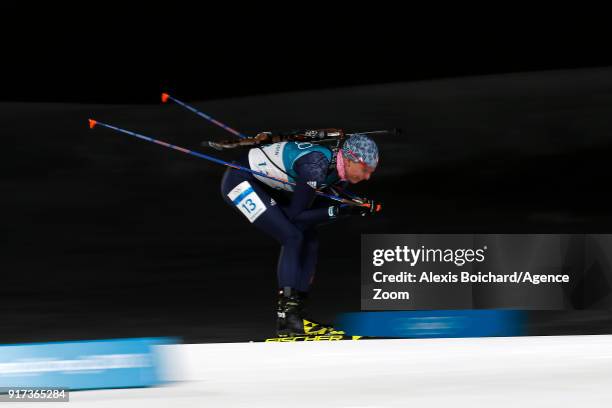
311,170
316,216
329,213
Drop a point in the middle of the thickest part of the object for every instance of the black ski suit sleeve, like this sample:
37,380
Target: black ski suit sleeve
311,170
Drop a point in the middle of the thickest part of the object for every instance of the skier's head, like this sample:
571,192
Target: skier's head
361,154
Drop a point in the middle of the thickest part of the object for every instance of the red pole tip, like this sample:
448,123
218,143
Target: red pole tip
92,123
165,97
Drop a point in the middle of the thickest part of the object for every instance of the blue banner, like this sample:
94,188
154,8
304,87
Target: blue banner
435,323
78,365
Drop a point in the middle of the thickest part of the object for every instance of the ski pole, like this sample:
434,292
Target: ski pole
93,123
165,97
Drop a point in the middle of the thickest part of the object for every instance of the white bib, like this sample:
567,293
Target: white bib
272,166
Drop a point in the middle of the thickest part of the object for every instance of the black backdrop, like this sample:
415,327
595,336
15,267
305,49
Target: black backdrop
106,236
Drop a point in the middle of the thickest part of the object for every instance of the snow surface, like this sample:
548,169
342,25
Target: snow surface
567,371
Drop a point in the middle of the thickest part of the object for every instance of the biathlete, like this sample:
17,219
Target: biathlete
305,164
291,213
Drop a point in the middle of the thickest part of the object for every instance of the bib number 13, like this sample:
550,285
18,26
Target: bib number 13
247,201
249,206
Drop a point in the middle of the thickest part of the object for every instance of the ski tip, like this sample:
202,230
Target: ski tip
164,97
92,123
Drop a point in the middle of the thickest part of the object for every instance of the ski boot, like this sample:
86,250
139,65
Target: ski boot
291,321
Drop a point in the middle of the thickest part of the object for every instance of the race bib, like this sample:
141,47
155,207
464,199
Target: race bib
246,199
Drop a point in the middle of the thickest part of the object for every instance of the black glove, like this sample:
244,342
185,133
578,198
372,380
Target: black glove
369,207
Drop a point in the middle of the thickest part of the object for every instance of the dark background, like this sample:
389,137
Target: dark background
107,236
117,52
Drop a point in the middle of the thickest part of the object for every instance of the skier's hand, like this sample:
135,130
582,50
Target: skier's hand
369,207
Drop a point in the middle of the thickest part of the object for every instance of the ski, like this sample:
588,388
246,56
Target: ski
322,337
